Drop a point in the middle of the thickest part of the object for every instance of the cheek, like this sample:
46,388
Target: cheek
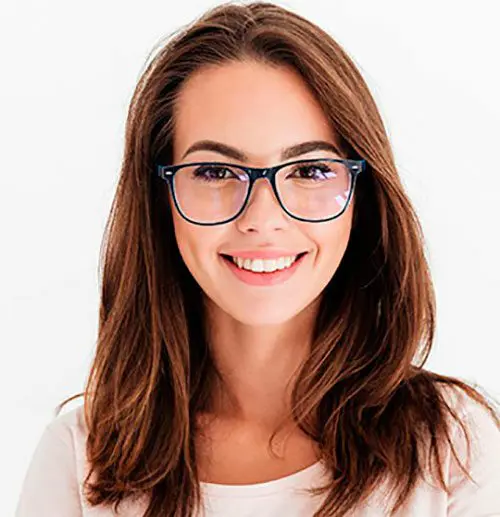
331,241
188,242
197,246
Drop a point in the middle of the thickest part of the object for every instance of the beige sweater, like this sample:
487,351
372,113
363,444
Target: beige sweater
52,485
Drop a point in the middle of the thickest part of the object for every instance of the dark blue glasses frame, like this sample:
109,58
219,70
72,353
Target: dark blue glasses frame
167,173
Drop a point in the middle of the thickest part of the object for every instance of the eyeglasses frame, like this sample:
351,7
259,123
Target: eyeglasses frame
167,173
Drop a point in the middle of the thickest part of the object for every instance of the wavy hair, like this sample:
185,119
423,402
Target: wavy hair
362,389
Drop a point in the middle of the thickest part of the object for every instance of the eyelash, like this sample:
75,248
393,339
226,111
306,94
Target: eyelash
320,166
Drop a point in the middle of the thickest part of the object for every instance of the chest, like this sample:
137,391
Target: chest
239,455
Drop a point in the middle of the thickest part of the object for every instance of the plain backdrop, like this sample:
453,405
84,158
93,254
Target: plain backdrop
68,73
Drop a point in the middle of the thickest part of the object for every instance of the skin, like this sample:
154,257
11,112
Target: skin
262,333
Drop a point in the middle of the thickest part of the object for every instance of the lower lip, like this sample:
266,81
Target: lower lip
276,277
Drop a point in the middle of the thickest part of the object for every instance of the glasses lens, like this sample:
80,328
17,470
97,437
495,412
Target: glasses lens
210,193
314,190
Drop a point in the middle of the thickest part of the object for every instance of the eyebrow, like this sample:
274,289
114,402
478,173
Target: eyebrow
237,154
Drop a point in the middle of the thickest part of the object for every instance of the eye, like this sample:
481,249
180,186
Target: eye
212,173
314,171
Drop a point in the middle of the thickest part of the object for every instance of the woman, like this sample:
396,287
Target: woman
266,305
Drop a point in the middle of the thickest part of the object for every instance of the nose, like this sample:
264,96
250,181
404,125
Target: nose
263,213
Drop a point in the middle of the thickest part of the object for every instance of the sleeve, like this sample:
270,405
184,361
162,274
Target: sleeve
483,498
50,487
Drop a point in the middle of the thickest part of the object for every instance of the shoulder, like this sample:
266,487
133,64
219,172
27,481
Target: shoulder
68,426
69,431
51,485
478,420
476,440
64,436
66,433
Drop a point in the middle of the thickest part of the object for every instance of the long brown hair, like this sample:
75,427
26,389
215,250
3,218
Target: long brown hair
363,388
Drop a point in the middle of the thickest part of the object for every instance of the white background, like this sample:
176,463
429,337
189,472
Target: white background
68,72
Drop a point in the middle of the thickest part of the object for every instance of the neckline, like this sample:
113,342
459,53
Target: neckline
297,479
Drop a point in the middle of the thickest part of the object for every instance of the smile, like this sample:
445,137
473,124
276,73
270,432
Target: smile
264,265
264,272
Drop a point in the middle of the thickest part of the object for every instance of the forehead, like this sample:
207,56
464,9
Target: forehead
255,107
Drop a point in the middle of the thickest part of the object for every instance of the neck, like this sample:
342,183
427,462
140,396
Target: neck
258,365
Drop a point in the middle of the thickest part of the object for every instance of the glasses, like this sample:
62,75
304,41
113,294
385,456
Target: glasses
211,193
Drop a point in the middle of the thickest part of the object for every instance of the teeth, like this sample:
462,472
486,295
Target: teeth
267,265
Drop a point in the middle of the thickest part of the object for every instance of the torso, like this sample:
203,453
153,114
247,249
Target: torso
236,454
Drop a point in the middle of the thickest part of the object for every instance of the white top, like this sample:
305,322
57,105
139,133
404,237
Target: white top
52,485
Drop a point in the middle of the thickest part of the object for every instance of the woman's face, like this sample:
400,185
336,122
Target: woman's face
259,110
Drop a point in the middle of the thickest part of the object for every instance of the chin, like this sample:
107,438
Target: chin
277,314
259,311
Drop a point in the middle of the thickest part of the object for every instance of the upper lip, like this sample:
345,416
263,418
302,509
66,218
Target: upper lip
263,254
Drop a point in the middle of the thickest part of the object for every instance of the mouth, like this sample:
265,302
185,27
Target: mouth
264,266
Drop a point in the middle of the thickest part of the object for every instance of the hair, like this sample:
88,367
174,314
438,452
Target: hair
362,388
